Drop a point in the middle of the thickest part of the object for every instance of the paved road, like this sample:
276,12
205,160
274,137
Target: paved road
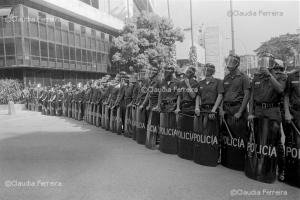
58,158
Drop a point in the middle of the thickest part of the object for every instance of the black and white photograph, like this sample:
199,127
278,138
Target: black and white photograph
149,99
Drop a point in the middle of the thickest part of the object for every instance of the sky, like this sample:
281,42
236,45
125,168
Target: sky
254,21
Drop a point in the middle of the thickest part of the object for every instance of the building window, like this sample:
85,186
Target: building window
35,47
77,42
71,27
1,26
18,28
8,28
71,39
88,43
33,26
98,58
78,55
19,46
58,35
83,42
51,50
9,46
43,31
51,33
89,56
59,52
83,31
26,47
83,55
44,49
1,47
42,17
65,37
66,53
57,23
72,53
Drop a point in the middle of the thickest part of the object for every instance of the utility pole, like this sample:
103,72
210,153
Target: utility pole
232,29
191,20
169,14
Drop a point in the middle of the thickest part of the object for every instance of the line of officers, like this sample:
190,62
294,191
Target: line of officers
247,125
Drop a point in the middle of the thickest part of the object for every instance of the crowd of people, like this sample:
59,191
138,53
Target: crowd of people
247,125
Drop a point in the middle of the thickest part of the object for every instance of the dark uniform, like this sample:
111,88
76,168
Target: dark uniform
235,132
291,130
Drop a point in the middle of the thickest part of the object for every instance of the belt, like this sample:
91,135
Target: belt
267,105
207,106
232,103
169,101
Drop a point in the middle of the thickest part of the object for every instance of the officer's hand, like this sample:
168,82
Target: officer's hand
156,109
197,112
148,107
251,117
141,107
237,115
177,111
288,117
221,113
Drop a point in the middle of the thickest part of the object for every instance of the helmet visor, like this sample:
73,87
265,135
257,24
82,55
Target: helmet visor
266,62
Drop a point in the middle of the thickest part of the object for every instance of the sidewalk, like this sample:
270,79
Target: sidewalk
59,158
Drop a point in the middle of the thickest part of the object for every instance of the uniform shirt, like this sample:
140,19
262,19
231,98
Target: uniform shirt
264,91
209,90
154,87
169,94
234,86
135,92
142,92
115,92
128,93
293,88
187,103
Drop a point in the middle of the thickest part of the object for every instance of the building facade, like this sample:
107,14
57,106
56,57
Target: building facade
56,41
214,49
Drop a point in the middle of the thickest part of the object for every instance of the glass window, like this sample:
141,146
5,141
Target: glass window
72,53
1,26
26,28
57,23
93,44
51,33
71,27
82,30
102,36
51,50
110,38
33,26
66,53
18,28
89,56
25,11
71,39
102,46
95,3
78,55
9,46
27,46
99,58
65,37
98,45
58,35
83,42
88,43
77,40
19,46
8,28
43,31
103,59
35,47
59,52
1,47
42,17
94,57
83,55
44,49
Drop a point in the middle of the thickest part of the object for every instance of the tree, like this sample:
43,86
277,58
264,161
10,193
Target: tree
284,47
146,40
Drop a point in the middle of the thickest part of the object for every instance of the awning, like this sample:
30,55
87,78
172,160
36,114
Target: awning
4,12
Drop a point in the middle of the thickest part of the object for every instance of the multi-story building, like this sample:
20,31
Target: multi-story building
249,64
214,49
57,41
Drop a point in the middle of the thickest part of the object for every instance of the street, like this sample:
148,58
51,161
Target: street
48,157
